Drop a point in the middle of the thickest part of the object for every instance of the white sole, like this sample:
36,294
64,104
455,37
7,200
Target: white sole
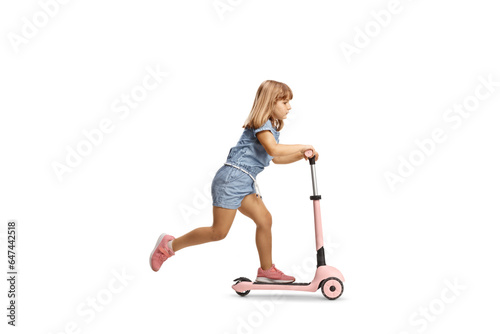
268,280
156,246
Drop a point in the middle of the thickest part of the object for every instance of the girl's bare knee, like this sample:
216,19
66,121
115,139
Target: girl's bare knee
265,222
218,234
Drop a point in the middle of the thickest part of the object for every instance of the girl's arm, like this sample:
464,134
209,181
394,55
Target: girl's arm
288,159
274,149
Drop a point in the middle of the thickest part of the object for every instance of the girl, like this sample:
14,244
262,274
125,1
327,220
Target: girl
234,183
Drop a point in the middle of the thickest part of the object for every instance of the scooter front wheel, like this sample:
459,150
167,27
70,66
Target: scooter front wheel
332,288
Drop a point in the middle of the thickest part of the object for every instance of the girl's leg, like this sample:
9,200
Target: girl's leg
254,208
223,219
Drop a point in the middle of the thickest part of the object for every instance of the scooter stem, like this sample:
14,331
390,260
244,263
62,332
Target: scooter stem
318,227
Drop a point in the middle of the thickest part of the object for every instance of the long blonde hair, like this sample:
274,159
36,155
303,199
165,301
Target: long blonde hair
268,94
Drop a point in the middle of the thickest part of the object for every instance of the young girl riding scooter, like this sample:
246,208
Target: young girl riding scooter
234,186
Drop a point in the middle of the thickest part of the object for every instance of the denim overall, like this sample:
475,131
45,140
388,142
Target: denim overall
237,177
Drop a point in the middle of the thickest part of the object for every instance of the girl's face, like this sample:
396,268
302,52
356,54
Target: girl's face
281,109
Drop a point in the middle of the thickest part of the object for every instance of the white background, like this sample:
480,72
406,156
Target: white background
396,249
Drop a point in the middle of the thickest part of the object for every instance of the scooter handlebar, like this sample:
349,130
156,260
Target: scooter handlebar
312,158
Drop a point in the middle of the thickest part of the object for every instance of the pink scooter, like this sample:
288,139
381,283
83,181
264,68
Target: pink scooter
329,279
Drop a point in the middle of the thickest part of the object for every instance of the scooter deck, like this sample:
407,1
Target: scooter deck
265,283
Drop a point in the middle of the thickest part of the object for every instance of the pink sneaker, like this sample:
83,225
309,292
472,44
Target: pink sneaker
161,252
273,275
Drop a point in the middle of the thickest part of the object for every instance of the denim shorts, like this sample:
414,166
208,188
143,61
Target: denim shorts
230,186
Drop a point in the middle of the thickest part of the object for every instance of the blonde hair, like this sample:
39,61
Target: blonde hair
268,94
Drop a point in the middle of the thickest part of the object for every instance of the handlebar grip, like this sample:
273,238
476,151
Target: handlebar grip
312,158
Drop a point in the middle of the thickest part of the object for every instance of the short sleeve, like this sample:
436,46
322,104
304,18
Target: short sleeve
266,126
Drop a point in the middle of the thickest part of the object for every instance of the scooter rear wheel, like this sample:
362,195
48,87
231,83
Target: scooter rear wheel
332,288
242,279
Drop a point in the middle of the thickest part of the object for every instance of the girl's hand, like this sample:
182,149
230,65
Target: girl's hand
309,147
